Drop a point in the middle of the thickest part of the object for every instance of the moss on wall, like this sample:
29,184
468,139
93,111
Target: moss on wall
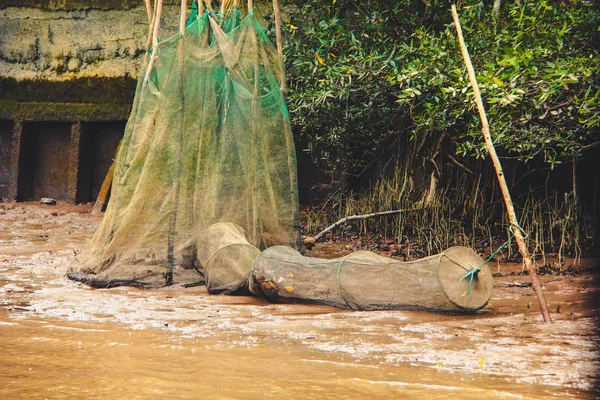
48,111
117,90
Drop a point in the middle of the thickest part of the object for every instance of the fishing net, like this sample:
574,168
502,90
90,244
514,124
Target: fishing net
205,178
208,140
456,280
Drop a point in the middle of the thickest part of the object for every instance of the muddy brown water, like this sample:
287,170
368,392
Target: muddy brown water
61,339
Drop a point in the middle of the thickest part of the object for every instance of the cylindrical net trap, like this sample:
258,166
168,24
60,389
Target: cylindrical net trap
455,280
225,257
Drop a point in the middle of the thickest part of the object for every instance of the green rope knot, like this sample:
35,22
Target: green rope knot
473,275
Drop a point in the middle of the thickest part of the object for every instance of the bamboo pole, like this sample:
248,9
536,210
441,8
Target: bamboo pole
277,15
256,209
157,13
279,40
182,17
177,183
148,10
151,20
512,216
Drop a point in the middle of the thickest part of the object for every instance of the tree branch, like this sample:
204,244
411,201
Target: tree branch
360,218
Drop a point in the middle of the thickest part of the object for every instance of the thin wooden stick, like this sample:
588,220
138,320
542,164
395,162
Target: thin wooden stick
200,7
102,197
277,16
182,17
154,38
256,233
177,183
361,217
279,41
512,216
148,10
150,28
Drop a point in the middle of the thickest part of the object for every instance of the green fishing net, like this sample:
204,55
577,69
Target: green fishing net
208,140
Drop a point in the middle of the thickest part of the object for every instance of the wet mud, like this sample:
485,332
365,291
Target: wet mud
62,339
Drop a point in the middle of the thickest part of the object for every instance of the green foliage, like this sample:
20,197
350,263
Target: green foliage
363,75
340,99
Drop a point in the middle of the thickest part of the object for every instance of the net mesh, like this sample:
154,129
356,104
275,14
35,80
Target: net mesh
225,258
208,140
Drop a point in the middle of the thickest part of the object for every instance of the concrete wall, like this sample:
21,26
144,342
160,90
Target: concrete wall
63,40
68,71
6,132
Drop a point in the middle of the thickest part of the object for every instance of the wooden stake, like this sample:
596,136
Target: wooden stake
512,216
102,198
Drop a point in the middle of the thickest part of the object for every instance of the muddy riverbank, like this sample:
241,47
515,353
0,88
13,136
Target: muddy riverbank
59,338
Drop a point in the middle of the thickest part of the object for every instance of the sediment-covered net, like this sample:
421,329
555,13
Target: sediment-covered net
225,258
366,281
208,140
